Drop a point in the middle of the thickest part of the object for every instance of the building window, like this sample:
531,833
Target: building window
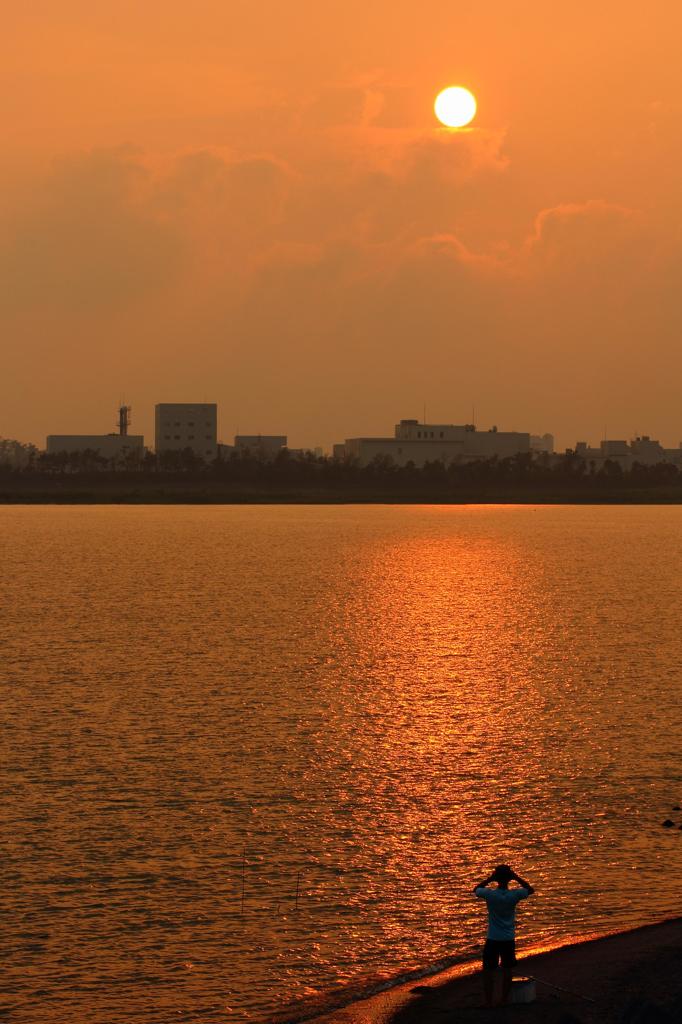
190,437
177,437
419,433
176,424
167,438
190,424
441,433
431,433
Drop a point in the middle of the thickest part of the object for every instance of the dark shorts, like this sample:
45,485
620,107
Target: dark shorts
495,952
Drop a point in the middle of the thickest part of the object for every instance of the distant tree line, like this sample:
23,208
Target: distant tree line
16,455
527,470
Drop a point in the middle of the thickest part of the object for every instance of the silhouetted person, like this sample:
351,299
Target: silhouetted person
500,945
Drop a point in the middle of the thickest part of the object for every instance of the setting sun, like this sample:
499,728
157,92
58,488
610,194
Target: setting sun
455,107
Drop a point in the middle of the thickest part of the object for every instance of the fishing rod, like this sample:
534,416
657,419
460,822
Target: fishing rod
566,991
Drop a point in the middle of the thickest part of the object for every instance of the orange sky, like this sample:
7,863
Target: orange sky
253,204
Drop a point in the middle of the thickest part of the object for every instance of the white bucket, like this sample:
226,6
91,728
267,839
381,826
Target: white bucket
523,990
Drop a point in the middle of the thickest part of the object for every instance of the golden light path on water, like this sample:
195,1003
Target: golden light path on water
373,704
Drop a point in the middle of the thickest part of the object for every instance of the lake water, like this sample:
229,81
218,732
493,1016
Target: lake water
207,709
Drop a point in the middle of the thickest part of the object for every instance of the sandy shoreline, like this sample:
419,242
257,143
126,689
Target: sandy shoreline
632,977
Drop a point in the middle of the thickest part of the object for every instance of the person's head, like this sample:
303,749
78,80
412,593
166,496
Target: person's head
503,875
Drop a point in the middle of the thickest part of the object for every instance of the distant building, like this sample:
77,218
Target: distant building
612,451
641,450
264,445
114,447
182,425
108,446
540,444
430,442
647,452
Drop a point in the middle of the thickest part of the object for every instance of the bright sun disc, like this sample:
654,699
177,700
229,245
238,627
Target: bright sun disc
455,107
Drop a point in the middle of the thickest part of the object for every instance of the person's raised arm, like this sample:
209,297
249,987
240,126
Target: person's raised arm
482,885
524,885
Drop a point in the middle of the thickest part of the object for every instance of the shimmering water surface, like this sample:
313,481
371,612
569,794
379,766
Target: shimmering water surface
374,703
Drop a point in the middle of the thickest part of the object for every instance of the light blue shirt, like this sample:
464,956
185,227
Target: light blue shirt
501,910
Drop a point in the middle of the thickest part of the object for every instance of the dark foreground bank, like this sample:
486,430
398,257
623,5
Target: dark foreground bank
183,478
634,977
184,489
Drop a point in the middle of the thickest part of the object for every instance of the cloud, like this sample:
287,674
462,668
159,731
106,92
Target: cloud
221,180
594,233
88,237
596,265
392,186
228,210
456,156
337,105
106,229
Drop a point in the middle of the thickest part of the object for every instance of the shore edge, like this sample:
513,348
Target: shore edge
421,993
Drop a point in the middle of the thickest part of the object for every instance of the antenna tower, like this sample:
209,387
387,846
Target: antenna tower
124,419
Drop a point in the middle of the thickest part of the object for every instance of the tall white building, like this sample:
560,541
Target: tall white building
435,442
181,425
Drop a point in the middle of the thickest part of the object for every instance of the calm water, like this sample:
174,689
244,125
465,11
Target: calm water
376,703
